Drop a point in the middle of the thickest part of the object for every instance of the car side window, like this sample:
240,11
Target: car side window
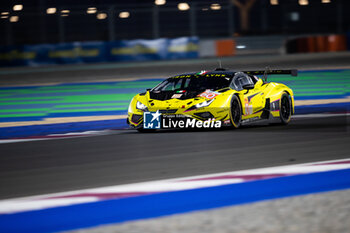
174,85
187,82
239,80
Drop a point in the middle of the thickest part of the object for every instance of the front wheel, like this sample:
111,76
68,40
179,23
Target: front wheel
142,130
236,112
285,109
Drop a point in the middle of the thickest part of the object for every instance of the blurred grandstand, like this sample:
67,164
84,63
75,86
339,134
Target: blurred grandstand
47,21
257,26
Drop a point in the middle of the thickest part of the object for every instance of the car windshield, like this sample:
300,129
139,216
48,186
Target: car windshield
195,82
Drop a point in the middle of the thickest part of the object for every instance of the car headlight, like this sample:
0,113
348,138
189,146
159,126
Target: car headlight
141,106
204,104
200,105
130,107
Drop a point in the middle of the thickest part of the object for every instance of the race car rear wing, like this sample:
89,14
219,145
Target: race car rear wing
268,71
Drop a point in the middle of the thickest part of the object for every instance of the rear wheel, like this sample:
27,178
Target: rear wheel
285,109
142,130
236,111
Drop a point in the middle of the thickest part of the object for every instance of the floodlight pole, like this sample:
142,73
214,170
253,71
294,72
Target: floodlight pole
155,21
231,25
193,19
60,27
111,23
42,21
9,37
339,16
263,16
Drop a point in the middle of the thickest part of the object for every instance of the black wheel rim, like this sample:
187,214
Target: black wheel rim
285,108
235,112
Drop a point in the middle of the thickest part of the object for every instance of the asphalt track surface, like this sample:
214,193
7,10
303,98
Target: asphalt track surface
121,157
38,167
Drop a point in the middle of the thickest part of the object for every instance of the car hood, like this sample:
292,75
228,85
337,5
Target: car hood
173,104
169,95
170,100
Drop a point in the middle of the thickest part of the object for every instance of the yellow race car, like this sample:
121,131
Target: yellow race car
212,99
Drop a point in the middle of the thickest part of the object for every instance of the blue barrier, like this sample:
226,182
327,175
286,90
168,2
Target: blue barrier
92,52
138,50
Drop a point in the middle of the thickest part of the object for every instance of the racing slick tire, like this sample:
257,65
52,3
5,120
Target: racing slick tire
236,112
285,109
142,130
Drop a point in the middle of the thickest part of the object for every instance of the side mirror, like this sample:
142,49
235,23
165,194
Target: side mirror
148,89
248,86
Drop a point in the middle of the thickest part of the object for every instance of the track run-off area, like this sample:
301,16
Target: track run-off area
115,204
95,171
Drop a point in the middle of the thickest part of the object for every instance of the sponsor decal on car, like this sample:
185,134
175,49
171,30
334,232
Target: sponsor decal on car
248,107
176,96
202,72
227,122
181,91
209,94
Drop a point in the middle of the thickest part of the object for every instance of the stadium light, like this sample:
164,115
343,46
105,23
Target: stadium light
303,2
14,19
326,1
51,10
101,16
160,2
215,6
124,15
183,6
18,7
4,16
240,46
65,13
91,10
5,13
274,2
294,16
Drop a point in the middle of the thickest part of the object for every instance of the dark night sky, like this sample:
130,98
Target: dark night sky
315,18
9,3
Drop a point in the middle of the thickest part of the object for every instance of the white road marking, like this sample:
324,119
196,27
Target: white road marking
185,183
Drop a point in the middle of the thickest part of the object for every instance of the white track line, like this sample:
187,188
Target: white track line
168,185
